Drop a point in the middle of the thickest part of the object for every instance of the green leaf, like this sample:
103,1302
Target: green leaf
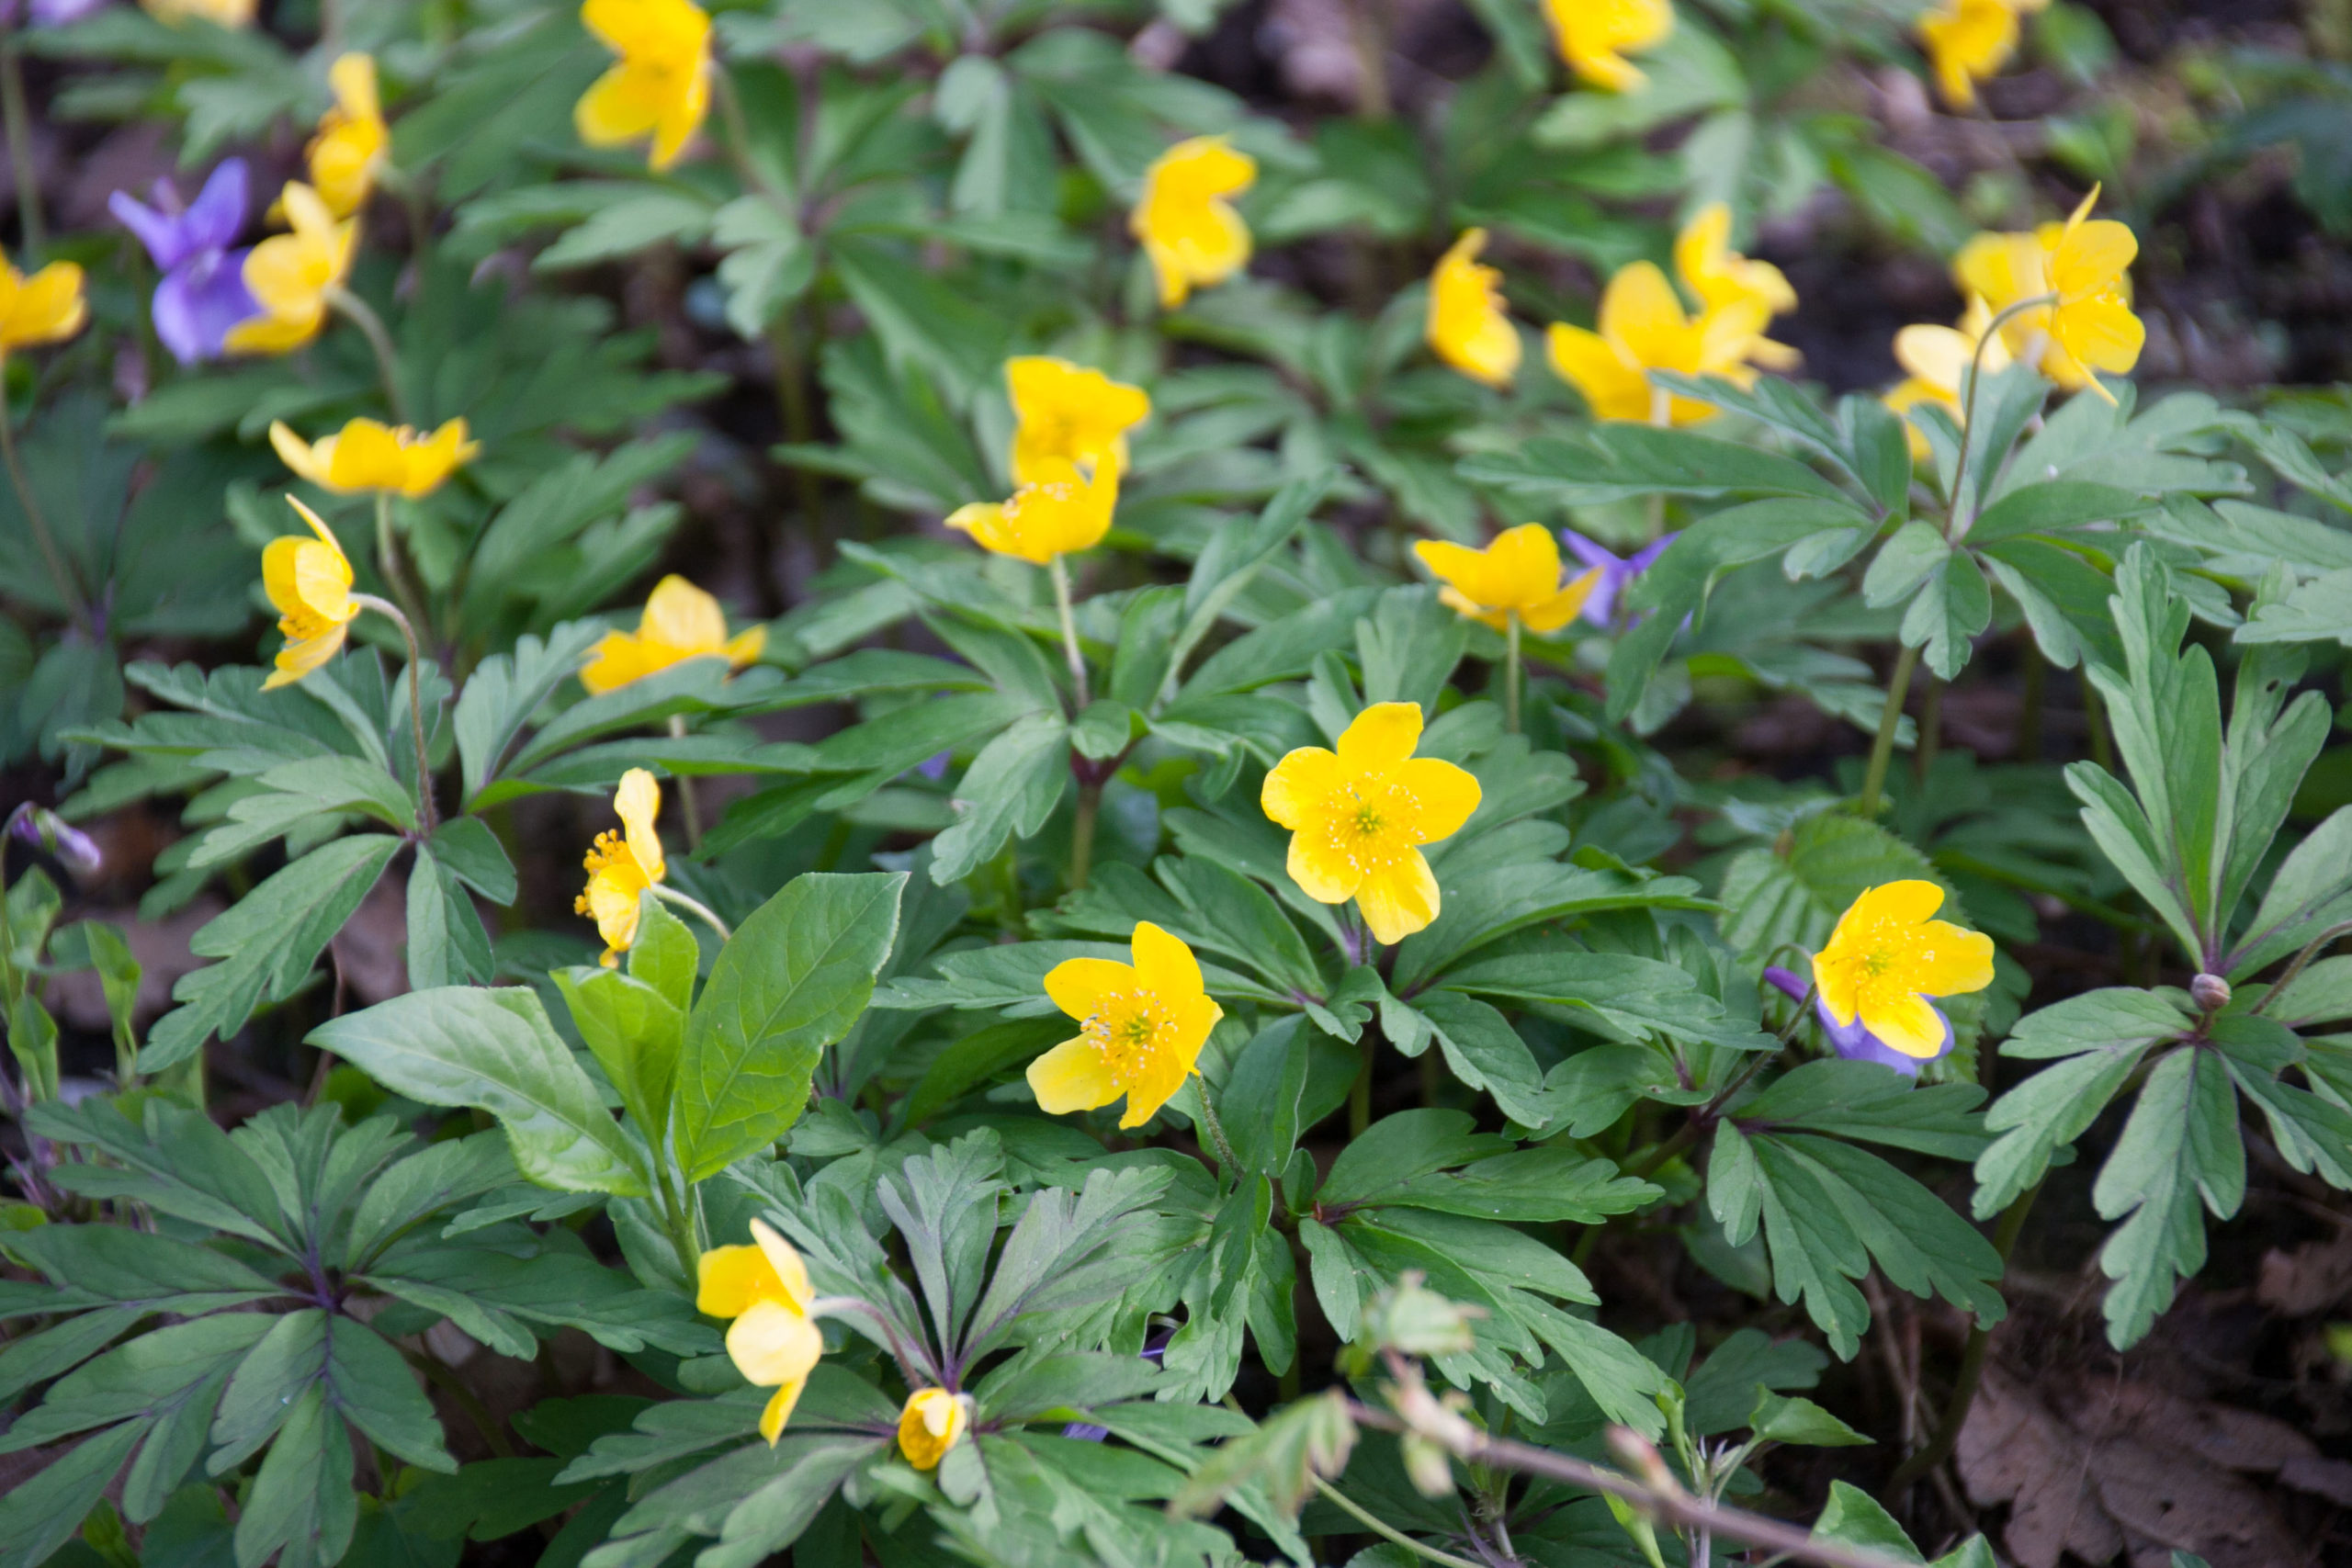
2104,1035
2180,1144
665,955
1550,1183
495,1049
1484,1051
633,1031
1007,792
1780,1418
1854,1519
1261,1096
446,944
506,689
1395,1149
302,1504
792,982
1904,564
2310,893
2053,507
1952,608
466,847
39,1515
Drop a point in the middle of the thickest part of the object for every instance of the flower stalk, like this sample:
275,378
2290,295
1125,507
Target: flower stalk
361,314
427,816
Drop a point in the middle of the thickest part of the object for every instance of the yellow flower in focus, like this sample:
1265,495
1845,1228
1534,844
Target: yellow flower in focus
2084,263
774,1342
309,582
1594,35
366,456
1183,222
681,621
1057,513
621,866
1519,574
48,307
219,13
290,275
351,144
661,86
1936,360
1358,817
1140,1026
1886,958
1068,413
1969,40
1643,328
1468,326
931,1422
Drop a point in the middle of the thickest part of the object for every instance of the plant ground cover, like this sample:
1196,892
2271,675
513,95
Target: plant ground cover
1161,781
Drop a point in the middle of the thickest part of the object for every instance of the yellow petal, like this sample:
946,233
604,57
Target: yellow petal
619,107
774,1342
1525,566
1640,312
48,307
731,1279
1297,783
1906,902
1381,735
1163,964
2092,257
1444,797
353,78
746,646
683,616
367,456
1458,565
619,657
1072,1076
298,454
1612,388
298,659
778,1409
1907,1023
1937,356
1550,615
1321,872
931,1422
784,1261
638,802
1951,962
1400,898
1078,986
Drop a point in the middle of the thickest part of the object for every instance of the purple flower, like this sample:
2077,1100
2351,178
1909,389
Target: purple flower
1852,1040
49,13
1617,573
44,829
203,293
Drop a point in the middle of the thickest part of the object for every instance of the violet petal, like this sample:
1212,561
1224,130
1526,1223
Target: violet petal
196,304
213,218
161,232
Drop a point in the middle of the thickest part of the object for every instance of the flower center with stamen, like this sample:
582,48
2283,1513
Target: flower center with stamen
1125,1032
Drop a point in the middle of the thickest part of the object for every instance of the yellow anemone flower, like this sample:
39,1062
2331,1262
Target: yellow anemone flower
290,275
681,621
219,13
1969,40
366,456
774,1342
48,307
1594,34
1141,1027
1054,514
661,86
1183,222
1938,359
1068,413
622,865
309,582
1358,817
1468,326
933,1422
1886,958
2089,327
351,144
1643,328
1519,574
1721,275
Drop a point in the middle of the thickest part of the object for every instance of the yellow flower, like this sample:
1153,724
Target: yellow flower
1886,958
309,582
661,86
1721,275
931,1422
1468,326
681,621
1519,574
1593,35
290,275
352,142
1069,414
48,307
774,1342
1191,232
1056,513
1643,328
1359,817
366,456
2089,327
219,13
621,866
1141,1027
1938,359
1969,39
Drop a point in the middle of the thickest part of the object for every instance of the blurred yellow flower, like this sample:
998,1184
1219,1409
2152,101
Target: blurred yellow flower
48,307
352,144
1057,513
774,1342
1519,574
931,1422
1468,326
1068,413
1721,275
1969,40
366,456
1183,222
1886,957
290,275
309,580
1594,35
1359,816
621,866
680,622
1141,1027
661,86
1936,361
1643,328
219,13
2088,326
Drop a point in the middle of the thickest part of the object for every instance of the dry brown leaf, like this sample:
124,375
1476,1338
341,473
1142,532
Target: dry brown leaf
2310,1279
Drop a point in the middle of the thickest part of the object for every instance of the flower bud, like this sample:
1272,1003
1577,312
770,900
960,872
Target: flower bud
1427,1465
44,829
2209,992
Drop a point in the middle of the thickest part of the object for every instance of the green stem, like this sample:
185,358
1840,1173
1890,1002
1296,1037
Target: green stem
1511,671
677,1217
427,814
1069,633
1890,719
20,149
1217,1130
361,314
69,586
1955,527
687,804
389,562
1387,1532
1371,37
694,907
1081,834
